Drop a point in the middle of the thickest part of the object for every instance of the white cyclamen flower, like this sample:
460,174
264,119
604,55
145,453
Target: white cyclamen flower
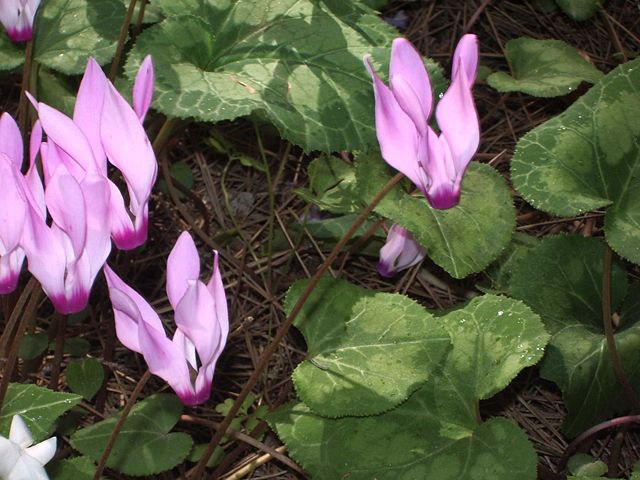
19,460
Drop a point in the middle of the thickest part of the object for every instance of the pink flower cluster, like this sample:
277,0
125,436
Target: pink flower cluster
64,223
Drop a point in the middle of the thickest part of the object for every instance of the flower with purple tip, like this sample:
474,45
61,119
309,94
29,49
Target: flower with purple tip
201,318
401,251
434,163
17,17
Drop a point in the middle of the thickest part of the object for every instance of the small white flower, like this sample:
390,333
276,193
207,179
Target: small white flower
19,460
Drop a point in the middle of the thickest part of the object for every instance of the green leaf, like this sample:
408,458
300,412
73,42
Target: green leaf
298,64
77,468
199,449
588,158
498,274
55,91
38,407
68,32
33,345
368,351
462,240
579,9
85,377
144,446
561,280
405,443
543,68
76,346
11,55
585,465
332,183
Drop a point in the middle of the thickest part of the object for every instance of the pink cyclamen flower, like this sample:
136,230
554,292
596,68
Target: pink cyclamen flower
400,252
201,317
17,18
434,163
13,202
66,255
105,127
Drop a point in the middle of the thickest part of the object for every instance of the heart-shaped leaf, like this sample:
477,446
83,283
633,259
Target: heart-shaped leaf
579,9
588,158
144,446
85,377
543,68
77,468
39,408
299,64
68,32
463,239
561,279
369,351
435,433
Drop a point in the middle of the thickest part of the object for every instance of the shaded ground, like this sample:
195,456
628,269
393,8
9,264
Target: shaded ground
230,208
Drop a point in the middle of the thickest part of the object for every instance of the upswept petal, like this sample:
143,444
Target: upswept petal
13,205
458,120
216,289
43,451
95,189
19,432
9,456
466,53
396,132
11,139
410,83
444,190
123,297
400,252
122,229
143,88
165,360
183,266
195,316
34,189
17,17
87,112
10,266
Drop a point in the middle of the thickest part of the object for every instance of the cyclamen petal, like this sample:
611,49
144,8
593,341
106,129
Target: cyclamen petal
17,17
201,331
143,88
19,460
400,252
434,163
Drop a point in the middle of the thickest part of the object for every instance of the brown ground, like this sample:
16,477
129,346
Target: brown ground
229,206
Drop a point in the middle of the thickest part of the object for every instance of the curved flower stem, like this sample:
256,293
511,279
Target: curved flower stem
120,423
28,313
138,26
23,104
124,29
164,134
198,470
573,446
616,363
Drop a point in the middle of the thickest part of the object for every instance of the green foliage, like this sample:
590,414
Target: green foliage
85,377
11,54
68,32
144,446
588,158
77,468
498,274
39,408
297,64
561,279
55,91
462,240
579,9
543,68
582,464
435,433
368,351
332,185
33,345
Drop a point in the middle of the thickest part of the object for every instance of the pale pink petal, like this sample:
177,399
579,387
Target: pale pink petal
410,83
444,189
13,205
95,189
33,182
11,140
195,316
87,112
396,132
9,456
143,88
166,361
10,266
17,17
187,348
27,468
466,54
127,147
458,121
66,204
19,432
122,298
216,289
183,266
400,252
62,131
